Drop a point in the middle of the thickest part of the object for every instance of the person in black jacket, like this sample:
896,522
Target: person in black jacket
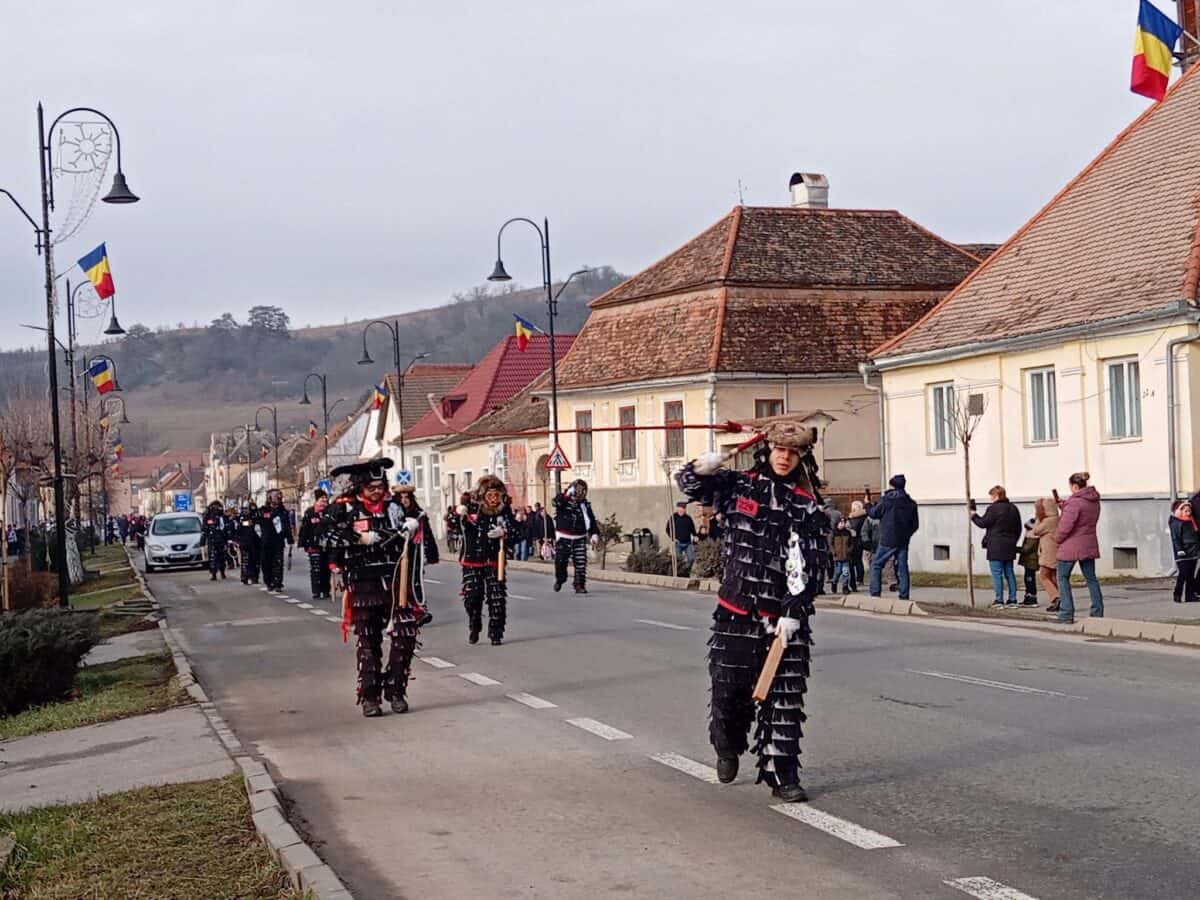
682,531
422,548
275,526
575,523
898,522
1002,527
249,540
1185,541
486,520
310,539
213,536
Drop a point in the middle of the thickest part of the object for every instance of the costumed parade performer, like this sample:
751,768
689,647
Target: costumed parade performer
214,536
310,539
366,533
422,549
275,527
486,523
775,558
574,524
249,540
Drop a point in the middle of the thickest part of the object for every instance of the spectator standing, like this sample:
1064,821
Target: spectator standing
855,523
1002,532
1185,541
521,550
1028,557
1045,518
898,522
682,531
841,545
1077,543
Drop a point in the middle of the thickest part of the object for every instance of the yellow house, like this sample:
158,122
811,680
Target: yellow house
769,311
1076,342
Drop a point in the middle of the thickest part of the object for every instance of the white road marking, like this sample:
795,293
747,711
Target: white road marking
476,678
860,837
436,663
687,766
432,581
1002,685
242,623
303,605
521,597
665,625
986,889
318,612
531,701
289,600
600,729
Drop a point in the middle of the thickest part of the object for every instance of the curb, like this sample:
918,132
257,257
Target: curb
305,869
621,577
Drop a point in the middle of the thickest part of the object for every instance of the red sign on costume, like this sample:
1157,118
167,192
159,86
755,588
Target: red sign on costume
747,507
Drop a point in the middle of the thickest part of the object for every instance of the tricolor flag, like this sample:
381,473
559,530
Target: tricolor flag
104,423
102,376
116,468
1152,46
265,452
118,449
312,429
95,267
381,394
525,330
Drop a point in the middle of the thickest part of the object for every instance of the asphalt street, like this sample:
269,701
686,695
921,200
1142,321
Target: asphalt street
943,759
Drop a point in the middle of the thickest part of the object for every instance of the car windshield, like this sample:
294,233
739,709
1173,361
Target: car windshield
182,525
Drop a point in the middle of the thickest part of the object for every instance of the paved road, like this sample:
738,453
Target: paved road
944,759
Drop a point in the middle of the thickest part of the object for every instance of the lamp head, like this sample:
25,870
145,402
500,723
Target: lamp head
304,401
120,192
124,418
499,273
114,327
366,359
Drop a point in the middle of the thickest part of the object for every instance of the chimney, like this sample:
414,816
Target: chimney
810,190
1189,21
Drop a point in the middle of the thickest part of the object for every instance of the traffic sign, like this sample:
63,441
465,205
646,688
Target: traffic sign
326,485
183,501
558,459
404,478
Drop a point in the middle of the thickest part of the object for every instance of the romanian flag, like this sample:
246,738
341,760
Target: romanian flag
102,376
104,423
312,429
95,266
116,468
381,394
118,449
525,330
265,452
1152,45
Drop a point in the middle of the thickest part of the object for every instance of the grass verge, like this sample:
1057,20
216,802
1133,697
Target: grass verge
116,690
115,624
98,600
176,841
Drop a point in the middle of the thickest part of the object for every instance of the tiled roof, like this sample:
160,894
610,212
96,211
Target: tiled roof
524,412
980,251
423,379
145,466
1118,240
497,378
798,247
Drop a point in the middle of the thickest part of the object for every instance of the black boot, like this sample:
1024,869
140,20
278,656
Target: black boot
558,585
425,619
212,576
790,793
727,769
496,642
399,705
581,589
371,708
473,635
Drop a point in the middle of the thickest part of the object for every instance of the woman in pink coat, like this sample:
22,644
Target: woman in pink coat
1077,543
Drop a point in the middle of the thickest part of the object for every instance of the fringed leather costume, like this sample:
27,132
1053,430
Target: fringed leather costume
574,523
214,535
480,556
275,526
773,524
318,557
249,539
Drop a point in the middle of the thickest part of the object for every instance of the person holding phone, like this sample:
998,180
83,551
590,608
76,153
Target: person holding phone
1077,543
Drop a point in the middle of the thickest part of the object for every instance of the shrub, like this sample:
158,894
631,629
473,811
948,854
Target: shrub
40,651
710,560
653,562
31,590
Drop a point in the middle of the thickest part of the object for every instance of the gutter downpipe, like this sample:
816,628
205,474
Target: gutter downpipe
865,370
712,411
1172,448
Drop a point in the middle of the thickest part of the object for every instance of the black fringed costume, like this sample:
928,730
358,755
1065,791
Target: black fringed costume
761,511
249,539
479,558
369,573
275,526
574,524
214,536
318,557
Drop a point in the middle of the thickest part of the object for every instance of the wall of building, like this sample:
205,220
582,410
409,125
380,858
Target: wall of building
1130,473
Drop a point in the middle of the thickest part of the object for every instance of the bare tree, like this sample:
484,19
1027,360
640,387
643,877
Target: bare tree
23,443
963,416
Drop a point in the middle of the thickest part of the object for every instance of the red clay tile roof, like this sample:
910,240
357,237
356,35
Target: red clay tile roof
1116,241
524,412
145,466
423,379
797,247
497,378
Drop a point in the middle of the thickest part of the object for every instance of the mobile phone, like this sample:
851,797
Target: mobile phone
971,505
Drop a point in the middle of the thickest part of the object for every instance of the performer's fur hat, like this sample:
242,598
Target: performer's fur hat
364,472
489,483
791,435
577,489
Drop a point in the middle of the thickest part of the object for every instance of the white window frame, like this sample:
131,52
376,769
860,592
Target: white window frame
435,473
419,473
1047,392
591,436
940,432
1126,410
621,434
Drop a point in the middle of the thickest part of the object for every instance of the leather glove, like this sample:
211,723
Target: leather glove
496,531
708,463
368,537
788,627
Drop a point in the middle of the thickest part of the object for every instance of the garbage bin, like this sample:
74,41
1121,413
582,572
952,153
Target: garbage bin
641,539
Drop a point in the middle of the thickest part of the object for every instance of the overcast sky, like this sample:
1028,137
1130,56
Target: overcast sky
352,159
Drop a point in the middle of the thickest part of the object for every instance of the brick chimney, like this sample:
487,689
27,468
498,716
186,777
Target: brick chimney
810,190
1189,21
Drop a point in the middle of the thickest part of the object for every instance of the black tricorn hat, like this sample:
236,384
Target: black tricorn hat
364,472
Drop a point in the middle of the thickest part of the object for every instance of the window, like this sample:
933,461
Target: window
435,471
941,412
628,417
941,552
583,436
467,484
1041,403
672,414
1124,399
765,408
1125,558
418,470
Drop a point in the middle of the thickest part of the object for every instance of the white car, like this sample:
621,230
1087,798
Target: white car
173,541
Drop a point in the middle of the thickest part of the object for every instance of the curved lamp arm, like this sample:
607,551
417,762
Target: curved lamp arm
54,124
541,239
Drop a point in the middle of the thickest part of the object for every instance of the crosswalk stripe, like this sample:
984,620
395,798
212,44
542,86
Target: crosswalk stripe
860,837
687,766
986,889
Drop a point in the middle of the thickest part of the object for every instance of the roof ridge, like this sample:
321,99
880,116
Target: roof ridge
731,241
719,330
1000,252
1191,272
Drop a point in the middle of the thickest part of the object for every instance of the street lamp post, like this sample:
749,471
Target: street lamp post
304,401
124,420
119,193
246,431
274,411
394,328
500,274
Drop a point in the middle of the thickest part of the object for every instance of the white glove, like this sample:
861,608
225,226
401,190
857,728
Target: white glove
368,537
708,463
410,526
788,627
595,540
461,510
496,531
